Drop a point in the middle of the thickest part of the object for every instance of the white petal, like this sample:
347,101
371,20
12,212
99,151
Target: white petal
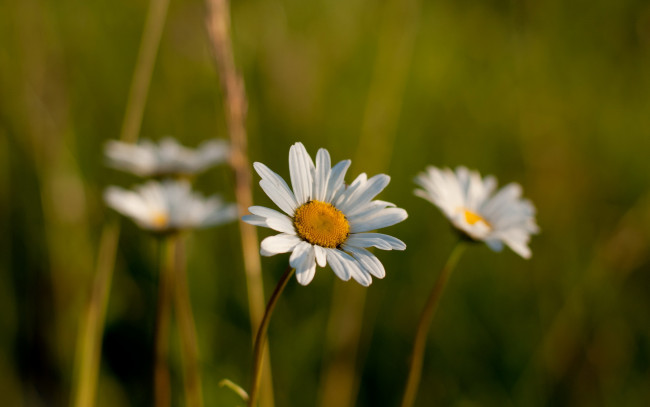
494,244
335,261
300,168
387,217
378,240
336,179
281,243
367,260
274,219
321,255
303,260
367,211
305,275
322,174
365,193
517,240
344,193
276,189
350,265
255,220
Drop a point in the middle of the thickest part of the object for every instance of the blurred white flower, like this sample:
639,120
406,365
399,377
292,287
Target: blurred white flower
327,221
169,206
469,203
167,158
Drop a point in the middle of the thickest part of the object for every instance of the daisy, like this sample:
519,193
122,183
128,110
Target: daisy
167,158
469,203
169,206
324,220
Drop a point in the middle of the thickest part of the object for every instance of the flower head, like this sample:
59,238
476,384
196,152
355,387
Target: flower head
324,220
469,203
169,206
167,158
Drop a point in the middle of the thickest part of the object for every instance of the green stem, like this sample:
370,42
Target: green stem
90,331
162,383
260,339
419,343
89,342
187,332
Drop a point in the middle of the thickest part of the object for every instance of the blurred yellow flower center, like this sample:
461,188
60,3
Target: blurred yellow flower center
160,220
322,224
473,217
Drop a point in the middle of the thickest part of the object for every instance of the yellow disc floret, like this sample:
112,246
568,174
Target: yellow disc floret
473,217
322,224
160,220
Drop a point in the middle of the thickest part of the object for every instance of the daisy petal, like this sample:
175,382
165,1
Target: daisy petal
303,260
365,193
276,189
367,260
322,174
378,240
281,243
274,219
334,258
335,182
255,220
300,169
321,255
356,271
386,217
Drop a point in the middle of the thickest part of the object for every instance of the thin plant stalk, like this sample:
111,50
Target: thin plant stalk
166,277
89,341
232,84
260,338
420,341
187,331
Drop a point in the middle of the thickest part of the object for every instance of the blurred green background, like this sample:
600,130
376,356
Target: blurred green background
552,94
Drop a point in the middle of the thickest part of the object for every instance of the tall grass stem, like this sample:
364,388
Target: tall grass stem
232,84
89,341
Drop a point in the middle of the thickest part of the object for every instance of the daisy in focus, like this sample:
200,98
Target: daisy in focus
167,158
325,221
169,206
471,205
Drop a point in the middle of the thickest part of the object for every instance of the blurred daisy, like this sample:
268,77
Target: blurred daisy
167,158
169,206
325,221
469,203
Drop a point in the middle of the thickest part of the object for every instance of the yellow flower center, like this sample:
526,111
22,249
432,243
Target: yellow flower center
160,220
322,224
473,217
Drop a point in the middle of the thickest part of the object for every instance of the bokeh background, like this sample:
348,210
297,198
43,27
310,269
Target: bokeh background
552,94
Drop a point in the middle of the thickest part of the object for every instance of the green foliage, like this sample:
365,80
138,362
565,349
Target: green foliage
550,94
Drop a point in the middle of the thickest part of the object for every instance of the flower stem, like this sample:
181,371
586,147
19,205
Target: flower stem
162,383
260,339
187,332
419,343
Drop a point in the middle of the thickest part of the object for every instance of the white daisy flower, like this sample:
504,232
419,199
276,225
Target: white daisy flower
469,203
325,221
167,158
169,206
